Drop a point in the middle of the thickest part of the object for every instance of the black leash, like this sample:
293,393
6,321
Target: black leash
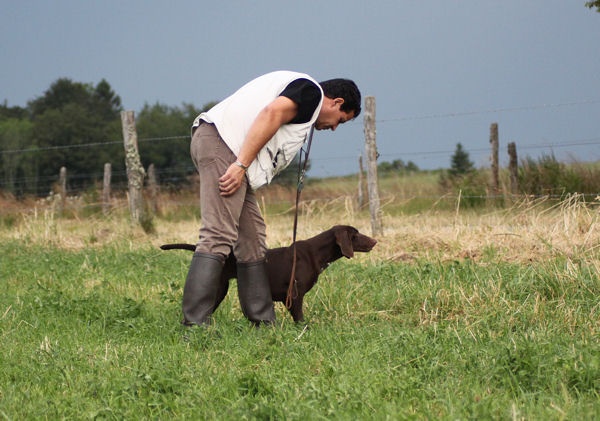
302,164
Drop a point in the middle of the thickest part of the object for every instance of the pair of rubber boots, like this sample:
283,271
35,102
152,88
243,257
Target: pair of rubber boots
204,281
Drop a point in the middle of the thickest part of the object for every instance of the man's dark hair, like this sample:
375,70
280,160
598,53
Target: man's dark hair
346,89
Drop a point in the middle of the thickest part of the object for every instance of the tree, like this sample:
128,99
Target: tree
15,135
7,112
592,4
463,179
77,126
105,101
164,139
460,162
398,166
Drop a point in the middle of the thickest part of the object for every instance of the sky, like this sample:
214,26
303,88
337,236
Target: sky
440,71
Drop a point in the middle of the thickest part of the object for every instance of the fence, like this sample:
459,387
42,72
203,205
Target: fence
117,182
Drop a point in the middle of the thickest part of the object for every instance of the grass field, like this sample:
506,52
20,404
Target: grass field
454,315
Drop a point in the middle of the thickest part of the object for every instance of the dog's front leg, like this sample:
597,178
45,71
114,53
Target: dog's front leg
296,309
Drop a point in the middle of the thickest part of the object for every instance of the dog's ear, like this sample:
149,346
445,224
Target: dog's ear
343,239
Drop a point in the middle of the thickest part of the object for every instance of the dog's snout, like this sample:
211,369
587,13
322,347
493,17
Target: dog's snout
364,243
372,243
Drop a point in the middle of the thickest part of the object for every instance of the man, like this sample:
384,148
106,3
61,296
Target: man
238,146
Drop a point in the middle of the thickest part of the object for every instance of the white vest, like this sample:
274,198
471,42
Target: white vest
235,114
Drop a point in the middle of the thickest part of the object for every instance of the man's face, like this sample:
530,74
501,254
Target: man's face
331,116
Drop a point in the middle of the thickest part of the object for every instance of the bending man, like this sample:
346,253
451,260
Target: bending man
238,146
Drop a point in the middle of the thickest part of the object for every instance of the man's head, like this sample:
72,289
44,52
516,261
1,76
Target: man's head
341,103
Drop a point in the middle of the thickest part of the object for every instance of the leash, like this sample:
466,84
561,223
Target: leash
292,292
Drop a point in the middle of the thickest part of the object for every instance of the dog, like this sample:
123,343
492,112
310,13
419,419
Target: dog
313,256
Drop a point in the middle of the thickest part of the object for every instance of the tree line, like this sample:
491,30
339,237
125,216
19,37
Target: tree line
78,126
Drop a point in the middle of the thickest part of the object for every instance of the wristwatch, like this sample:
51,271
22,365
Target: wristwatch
242,166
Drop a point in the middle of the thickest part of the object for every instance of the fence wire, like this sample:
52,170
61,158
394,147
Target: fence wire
119,176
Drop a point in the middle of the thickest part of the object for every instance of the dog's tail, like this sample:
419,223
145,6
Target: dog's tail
178,246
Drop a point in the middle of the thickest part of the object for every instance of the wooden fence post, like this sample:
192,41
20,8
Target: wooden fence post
494,158
62,189
135,170
361,198
152,190
513,168
106,188
371,152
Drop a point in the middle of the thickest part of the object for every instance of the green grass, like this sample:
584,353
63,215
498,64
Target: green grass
95,334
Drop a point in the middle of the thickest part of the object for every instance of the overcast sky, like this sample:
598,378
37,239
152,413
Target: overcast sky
441,71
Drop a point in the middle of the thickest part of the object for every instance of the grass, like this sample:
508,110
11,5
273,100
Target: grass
94,333
455,314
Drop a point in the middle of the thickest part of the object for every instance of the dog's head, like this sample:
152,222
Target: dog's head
350,240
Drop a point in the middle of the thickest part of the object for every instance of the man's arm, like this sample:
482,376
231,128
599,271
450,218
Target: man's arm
279,112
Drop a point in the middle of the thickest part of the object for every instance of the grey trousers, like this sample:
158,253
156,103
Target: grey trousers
232,223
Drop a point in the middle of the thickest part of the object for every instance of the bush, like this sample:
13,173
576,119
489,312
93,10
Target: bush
547,176
472,186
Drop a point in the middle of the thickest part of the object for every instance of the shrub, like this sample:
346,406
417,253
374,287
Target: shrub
547,176
472,186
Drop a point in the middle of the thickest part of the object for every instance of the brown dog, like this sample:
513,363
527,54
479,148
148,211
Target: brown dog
312,257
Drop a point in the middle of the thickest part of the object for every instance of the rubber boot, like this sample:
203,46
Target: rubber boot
200,290
254,293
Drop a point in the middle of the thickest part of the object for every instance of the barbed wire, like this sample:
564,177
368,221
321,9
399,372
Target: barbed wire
566,144
85,145
184,170
492,110
385,120
115,201
191,169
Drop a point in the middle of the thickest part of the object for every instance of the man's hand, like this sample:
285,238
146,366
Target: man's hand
231,181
